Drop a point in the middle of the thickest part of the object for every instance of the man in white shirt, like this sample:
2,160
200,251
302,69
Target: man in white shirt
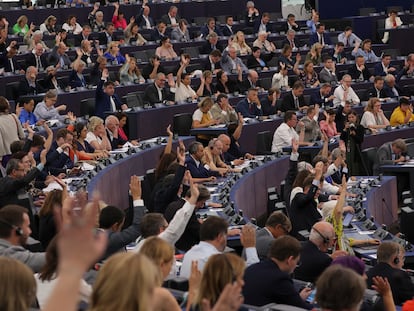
344,93
286,132
213,236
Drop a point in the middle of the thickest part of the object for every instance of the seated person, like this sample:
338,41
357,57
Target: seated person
129,72
308,76
328,125
152,68
359,72
113,54
233,153
96,136
345,93
320,36
112,127
166,51
262,43
45,110
26,113
230,62
250,106
315,54
159,32
183,89
256,60
391,22
212,157
378,89
348,38
270,102
291,40
390,260
323,97
364,49
158,92
294,99
287,58
269,281
383,68
280,80
181,33
402,114
391,88
373,117
199,172
30,85
58,159
239,42
206,87
223,111
76,78
202,117
227,85
338,55
327,73
210,27
211,44
132,35
310,121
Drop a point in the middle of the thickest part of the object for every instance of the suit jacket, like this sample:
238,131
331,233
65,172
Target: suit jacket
198,172
204,30
227,31
379,70
257,26
48,85
177,35
31,60
390,93
207,65
79,38
7,65
227,63
139,19
57,162
313,262
287,42
103,102
246,84
167,21
75,81
115,142
355,73
253,63
151,95
285,27
26,89
328,77
267,107
372,92
248,110
401,285
316,98
263,241
54,58
191,233
103,38
288,102
156,35
384,157
314,39
265,283
206,48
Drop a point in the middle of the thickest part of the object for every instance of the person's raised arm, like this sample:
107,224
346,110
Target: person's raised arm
382,286
184,64
76,237
168,146
239,128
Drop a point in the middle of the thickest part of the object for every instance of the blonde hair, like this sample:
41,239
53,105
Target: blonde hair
94,121
21,19
159,251
19,286
212,283
125,282
207,101
371,102
111,45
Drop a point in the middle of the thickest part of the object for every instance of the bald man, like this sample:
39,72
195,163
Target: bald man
227,157
314,255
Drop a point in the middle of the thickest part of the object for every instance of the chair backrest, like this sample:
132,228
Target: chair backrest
396,8
12,90
141,56
366,11
87,107
182,123
193,51
266,82
388,114
264,143
369,156
410,150
392,52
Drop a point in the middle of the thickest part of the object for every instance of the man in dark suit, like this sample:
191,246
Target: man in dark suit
112,127
278,224
143,19
250,106
252,81
105,97
383,68
157,92
199,172
271,103
152,68
313,255
269,281
211,44
291,40
159,32
50,82
107,35
323,97
227,29
213,62
171,18
378,89
390,258
359,71
37,58
290,23
29,85
320,36
210,27
262,24
58,160
391,88
84,35
9,60
294,100
59,56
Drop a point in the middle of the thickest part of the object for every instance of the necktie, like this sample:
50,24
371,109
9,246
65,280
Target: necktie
347,42
291,44
394,24
320,39
38,62
251,107
113,105
296,103
62,62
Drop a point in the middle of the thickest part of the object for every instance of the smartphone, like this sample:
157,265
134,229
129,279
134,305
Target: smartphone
311,297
